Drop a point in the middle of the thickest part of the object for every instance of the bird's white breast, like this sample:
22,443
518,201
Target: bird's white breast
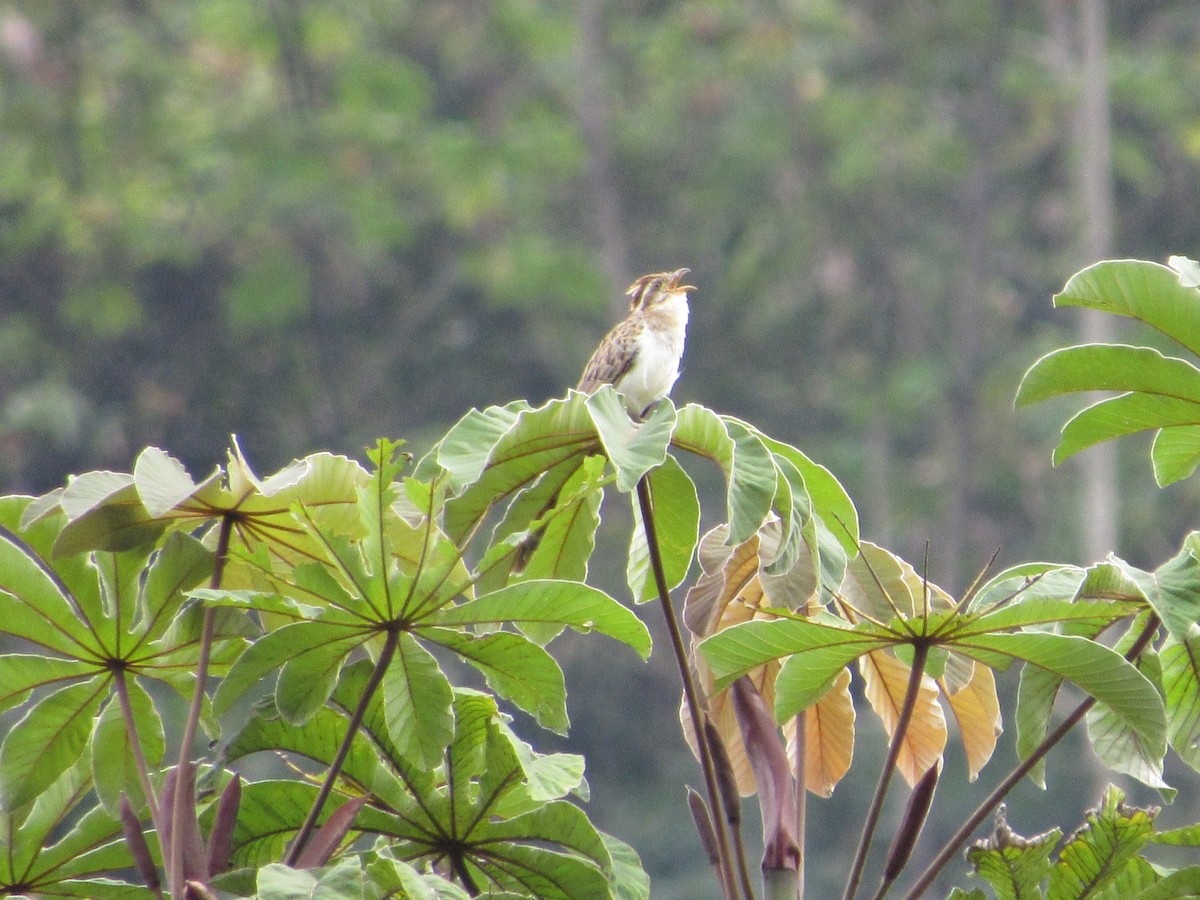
660,350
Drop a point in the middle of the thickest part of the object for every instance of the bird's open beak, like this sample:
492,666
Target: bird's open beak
676,276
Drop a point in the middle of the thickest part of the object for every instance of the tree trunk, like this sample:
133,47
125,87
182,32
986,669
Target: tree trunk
1093,173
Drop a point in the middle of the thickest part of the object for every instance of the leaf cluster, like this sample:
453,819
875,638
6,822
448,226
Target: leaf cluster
1101,859
343,591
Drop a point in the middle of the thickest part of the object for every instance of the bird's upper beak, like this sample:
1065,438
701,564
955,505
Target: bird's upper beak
676,277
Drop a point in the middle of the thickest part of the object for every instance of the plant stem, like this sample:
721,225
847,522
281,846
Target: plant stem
182,804
743,868
799,777
920,654
998,794
689,689
139,759
335,767
463,874
730,800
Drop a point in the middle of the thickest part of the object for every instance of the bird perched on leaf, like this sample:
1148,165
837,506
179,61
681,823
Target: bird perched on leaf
640,356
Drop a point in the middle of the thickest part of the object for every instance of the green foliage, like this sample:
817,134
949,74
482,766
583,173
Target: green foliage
63,845
1156,393
815,651
99,627
1101,859
344,591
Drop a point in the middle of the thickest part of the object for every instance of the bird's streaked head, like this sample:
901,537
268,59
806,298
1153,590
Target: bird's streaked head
650,290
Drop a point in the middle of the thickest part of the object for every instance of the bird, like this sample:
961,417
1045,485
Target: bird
640,357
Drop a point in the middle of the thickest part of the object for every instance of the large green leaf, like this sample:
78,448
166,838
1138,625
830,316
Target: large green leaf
181,564
1037,579
829,499
797,528
163,484
824,649
20,673
629,880
1048,596
547,776
46,741
568,537
33,606
806,676
104,512
515,668
1146,291
1180,662
1175,453
306,681
58,802
1100,671
416,701
559,822
1109,367
634,448
1033,612
540,605
74,575
749,469
465,449
1122,415
114,766
1116,744
538,440
676,510
1097,854
1173,590
1037,689
273,650
341,881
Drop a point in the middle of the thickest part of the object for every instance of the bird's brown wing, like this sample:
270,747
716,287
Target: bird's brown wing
612,359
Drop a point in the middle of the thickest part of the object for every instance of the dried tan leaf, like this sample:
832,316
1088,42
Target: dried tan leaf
721,714
729,591
828,738
977,710
886,681
714,591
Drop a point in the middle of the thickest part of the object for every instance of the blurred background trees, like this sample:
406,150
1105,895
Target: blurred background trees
314,222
